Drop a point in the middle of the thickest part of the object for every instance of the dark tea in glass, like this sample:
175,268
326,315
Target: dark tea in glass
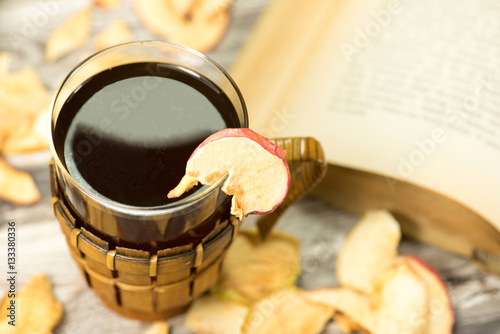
123,127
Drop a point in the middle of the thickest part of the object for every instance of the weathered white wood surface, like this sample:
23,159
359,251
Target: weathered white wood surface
321,228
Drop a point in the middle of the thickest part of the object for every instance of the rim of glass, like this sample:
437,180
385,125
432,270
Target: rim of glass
131,209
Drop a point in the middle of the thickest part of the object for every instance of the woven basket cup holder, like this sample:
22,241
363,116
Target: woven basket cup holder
140,285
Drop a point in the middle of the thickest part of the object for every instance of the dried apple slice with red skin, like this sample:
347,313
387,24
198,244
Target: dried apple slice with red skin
441,314
401,302
258,177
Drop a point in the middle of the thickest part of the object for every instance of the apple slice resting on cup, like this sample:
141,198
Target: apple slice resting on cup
258,176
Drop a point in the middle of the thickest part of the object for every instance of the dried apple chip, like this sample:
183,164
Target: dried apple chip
354,307
368,250
71,35
24,104
32,139
116,33
215,315
284,312
441,314
254,268
398,305
401,302
22,93
16,186
196,29
158,327
258,177
37,309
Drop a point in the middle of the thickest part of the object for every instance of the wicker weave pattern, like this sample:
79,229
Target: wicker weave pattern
136,283
308,166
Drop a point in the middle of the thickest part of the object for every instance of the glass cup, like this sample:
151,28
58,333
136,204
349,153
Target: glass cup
149,263
148,228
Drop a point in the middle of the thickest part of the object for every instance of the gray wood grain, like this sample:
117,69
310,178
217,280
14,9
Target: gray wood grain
320,227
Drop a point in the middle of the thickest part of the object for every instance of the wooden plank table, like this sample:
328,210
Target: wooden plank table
320,227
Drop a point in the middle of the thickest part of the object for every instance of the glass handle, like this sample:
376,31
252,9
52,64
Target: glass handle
307,165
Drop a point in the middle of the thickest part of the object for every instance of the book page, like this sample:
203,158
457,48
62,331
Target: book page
407,89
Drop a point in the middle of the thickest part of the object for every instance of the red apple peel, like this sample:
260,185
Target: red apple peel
258,176
442,315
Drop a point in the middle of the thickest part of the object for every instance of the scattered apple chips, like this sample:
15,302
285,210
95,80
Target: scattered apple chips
256,292
24,104
382,293
385,293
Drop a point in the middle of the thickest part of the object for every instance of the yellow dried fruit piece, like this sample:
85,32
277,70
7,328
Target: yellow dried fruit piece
254,268
354,307
287,312
215,315
401,302
24,104
441,314
158,327
16,186
33,139
369,249
116,33
71,35
22,93
37,310
197,29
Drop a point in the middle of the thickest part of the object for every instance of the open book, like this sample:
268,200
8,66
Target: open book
404,97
